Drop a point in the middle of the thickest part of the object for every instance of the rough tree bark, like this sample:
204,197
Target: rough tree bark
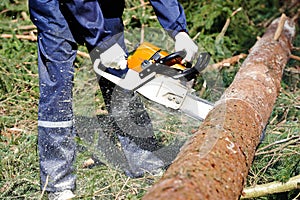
214,163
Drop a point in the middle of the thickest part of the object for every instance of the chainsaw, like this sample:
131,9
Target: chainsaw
160,77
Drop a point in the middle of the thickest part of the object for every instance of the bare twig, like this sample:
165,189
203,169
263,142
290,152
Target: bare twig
44,188
24,37
172,132
104,188
295,57
157,111
277,142
117,196
228,62
141,5
4,11
143,25
25,16
296,48
196,36
280,26
278,148
27,27
98,191
203,88
225,27
275,158
271,188
83,54
297,197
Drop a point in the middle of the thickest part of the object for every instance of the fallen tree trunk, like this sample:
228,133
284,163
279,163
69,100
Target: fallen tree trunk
215,162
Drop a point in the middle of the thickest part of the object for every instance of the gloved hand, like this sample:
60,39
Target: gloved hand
184,42
114,57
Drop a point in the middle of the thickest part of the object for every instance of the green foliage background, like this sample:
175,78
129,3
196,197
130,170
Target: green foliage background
19,177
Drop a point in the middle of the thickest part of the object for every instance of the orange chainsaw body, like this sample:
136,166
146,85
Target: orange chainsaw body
144,52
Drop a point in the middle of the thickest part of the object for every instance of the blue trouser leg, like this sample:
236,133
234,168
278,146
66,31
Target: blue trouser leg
55,121
55,115
56,54
61,24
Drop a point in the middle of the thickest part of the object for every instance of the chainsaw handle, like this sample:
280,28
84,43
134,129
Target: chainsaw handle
202,61
173,58
201,64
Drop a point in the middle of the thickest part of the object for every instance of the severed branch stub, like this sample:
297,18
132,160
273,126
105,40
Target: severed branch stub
215,161
280,27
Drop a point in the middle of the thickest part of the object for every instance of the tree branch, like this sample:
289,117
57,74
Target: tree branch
24,37
295,57
228,62
271,188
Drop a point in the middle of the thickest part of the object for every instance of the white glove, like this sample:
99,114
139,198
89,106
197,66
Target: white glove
114,57
184,42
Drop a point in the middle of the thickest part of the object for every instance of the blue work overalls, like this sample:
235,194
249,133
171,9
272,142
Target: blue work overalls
62,24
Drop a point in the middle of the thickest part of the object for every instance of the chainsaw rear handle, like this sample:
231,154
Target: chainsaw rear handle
173,58
190,72
201,64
